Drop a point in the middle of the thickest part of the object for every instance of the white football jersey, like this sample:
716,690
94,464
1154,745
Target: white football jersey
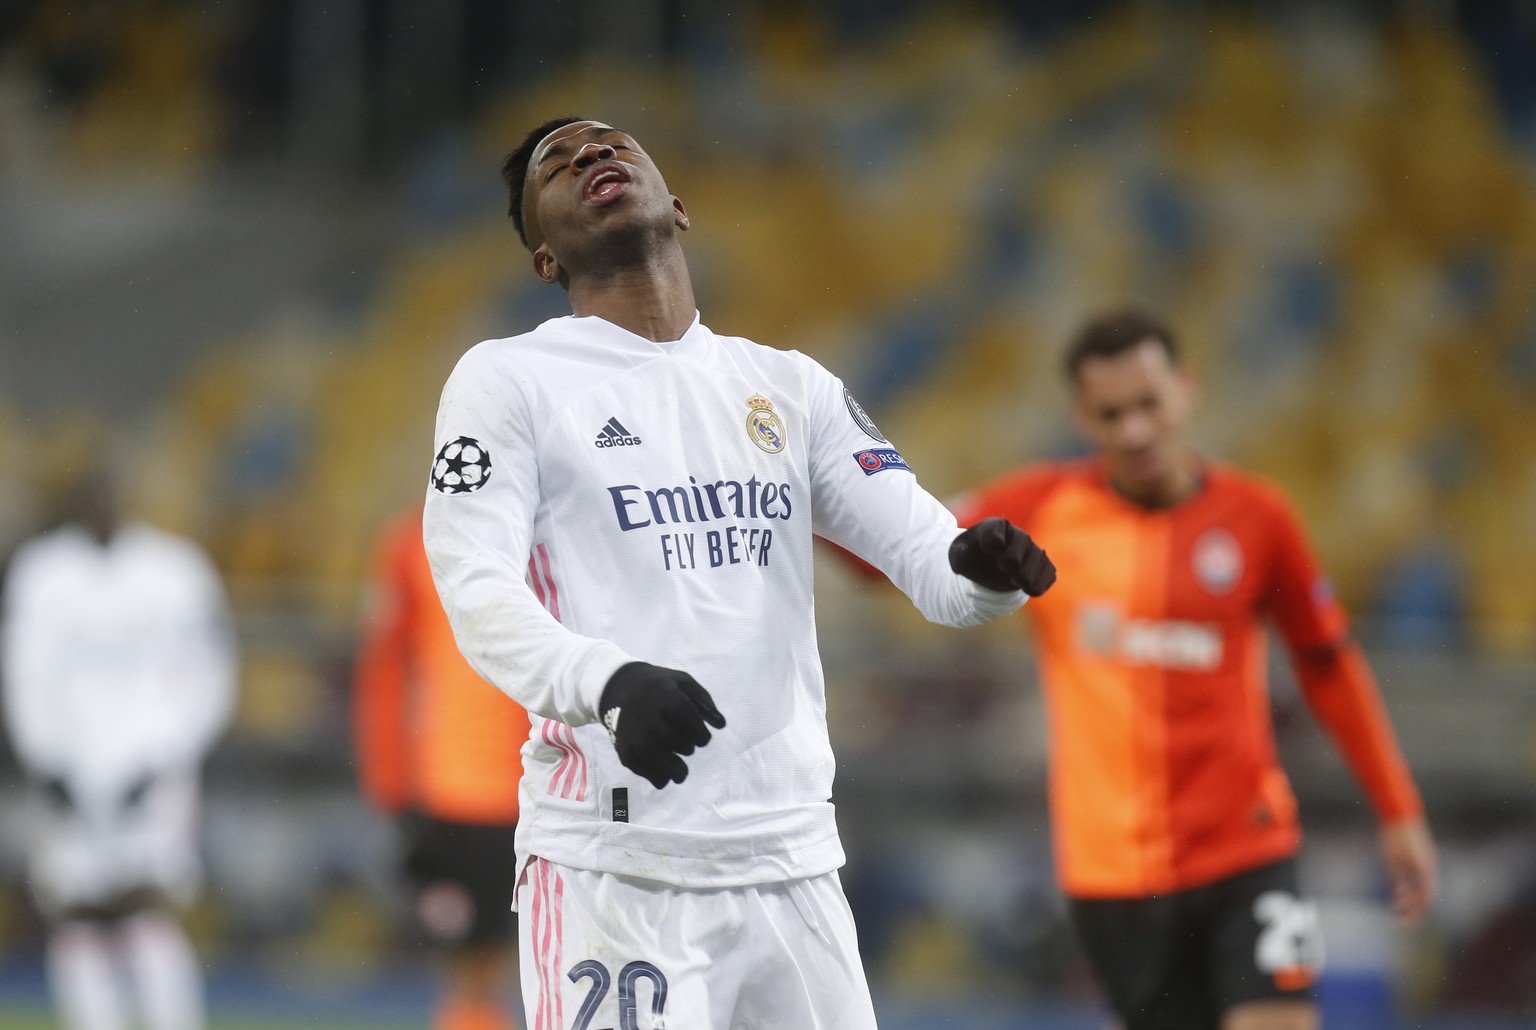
598,498
118,660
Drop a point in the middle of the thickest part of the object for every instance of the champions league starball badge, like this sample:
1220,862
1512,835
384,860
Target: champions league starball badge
861,418
764,426
461,467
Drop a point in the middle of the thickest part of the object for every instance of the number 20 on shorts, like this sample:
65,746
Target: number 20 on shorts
629,978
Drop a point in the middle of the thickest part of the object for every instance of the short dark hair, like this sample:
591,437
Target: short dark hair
514,170
1115,332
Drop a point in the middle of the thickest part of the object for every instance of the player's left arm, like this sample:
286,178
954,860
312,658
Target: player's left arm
867,501
1342,692
210,659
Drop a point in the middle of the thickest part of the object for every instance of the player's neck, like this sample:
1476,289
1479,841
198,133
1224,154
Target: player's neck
1183,479
654,299
101,530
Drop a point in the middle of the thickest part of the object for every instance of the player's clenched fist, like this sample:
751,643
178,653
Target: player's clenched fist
655,715
1001,556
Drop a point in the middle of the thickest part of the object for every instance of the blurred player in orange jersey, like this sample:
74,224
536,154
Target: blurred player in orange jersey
1175,827
440,748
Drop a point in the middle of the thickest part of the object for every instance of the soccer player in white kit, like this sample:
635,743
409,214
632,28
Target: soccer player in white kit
119,673
621,495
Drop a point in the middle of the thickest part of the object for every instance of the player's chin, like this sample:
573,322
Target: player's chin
615,235
1141,466
1143,474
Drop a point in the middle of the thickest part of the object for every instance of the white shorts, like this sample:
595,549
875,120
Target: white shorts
99,849
600,950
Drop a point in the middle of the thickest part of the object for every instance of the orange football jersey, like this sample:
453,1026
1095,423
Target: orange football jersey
431,735
1163,770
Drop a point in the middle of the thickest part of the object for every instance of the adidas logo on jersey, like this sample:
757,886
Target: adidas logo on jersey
613,434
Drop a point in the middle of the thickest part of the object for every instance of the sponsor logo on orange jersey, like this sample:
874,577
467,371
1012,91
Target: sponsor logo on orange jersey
1165,643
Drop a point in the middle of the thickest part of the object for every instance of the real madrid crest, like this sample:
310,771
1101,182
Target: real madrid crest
764,425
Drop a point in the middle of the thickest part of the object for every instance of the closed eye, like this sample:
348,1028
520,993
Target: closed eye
555,171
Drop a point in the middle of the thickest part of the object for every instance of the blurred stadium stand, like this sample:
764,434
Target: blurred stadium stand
242,243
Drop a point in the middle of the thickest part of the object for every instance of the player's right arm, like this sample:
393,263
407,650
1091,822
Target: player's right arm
30,647
478,530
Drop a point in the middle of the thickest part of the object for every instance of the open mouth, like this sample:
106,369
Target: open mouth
605,183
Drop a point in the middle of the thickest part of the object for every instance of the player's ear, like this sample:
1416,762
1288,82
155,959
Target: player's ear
545,265
679,215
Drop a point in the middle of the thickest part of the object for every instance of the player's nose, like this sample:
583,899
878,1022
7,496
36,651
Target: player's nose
590,153
1136,431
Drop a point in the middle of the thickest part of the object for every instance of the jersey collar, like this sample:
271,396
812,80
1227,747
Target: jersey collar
619,337
1196,490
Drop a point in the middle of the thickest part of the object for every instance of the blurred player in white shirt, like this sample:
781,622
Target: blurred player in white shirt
119,673
620,524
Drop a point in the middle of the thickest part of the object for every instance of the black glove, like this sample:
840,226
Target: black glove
1001,556
654,715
